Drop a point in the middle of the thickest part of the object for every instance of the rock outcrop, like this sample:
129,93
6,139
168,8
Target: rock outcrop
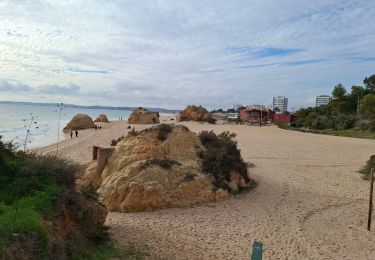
143,116
159,167
79,122
102,118
194,113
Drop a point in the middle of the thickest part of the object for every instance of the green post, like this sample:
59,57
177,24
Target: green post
257,251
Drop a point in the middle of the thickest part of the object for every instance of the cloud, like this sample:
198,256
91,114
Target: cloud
16,87
173,53
78,70
59,90
263,52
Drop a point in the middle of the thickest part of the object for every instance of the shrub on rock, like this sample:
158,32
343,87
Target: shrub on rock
169,166
222,158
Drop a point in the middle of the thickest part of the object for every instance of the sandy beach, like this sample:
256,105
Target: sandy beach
310,202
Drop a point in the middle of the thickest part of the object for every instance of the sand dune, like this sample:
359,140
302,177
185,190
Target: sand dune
309,203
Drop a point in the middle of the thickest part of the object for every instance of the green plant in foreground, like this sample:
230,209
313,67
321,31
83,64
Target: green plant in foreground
38,192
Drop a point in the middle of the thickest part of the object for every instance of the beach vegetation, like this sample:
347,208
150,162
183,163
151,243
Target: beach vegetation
354,110
221,158
366,170
42,214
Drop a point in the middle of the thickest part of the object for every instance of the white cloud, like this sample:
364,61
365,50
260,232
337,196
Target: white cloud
172,53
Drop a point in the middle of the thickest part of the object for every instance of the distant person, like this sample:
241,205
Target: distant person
129,127
76,132
96,127
71,133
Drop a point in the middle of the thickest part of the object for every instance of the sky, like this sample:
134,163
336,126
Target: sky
174,53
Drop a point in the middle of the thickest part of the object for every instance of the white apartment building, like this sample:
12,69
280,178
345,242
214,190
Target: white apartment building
281,103
322,100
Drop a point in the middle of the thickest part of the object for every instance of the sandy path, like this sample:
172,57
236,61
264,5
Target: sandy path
309,203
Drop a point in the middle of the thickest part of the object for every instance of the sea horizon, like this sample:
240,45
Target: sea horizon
43,121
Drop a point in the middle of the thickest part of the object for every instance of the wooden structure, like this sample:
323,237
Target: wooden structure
283,118
370,200
256,115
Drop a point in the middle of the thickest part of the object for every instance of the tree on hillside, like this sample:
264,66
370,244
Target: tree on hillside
358,93
370,83
368,106
338,95
339,91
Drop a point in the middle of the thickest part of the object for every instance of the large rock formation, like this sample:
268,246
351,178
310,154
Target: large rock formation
79,122
160,167
102,118
143,116
194,113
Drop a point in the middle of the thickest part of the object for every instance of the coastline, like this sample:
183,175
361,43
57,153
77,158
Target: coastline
79,148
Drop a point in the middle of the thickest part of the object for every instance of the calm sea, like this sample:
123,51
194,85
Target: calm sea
16,118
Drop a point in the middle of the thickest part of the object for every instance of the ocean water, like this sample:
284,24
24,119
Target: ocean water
15,119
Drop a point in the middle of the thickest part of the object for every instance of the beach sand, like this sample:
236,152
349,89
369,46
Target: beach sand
310,202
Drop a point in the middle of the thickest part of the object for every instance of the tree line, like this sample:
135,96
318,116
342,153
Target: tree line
346,110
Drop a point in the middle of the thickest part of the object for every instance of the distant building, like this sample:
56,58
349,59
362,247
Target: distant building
283,118
256,106
233,116
281,103
256,115
322,100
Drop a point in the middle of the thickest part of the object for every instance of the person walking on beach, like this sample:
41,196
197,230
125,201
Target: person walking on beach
76,133
71,133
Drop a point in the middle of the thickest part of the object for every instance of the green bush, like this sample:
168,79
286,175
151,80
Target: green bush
323,122
343,122
366,170
283,125
100,235
35,190
221,158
